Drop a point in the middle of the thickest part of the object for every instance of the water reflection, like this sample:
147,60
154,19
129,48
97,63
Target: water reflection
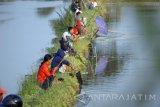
2,21
110,55
151,28
45,11
132,57
6,0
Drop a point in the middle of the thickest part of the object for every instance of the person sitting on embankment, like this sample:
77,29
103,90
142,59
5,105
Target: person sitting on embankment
75,33
45,75
93,5
75,6
59,60
67,40
79,24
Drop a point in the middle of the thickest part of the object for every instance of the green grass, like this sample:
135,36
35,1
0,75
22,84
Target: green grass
64,94
59,95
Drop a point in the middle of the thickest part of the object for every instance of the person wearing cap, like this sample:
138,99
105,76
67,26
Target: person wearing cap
2,92
64,41
45,75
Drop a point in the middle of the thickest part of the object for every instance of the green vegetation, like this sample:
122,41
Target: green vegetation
59,95
63,94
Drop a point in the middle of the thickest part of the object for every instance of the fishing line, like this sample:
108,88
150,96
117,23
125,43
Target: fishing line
128,59
113,31
104,39
125,57
149,67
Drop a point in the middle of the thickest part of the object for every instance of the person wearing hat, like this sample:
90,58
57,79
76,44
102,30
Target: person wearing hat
2,92
68,38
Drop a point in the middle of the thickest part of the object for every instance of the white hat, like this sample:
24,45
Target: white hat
65,35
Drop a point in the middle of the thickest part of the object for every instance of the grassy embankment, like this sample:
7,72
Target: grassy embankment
63,94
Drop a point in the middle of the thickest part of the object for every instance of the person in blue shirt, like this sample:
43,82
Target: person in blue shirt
2,92
59,60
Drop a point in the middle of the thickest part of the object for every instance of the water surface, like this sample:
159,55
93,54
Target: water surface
132,52
25,32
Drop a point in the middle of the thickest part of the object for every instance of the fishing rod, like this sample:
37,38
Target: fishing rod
79,57
114,38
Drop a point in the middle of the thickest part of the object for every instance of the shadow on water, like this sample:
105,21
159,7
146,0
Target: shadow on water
45,11
2,21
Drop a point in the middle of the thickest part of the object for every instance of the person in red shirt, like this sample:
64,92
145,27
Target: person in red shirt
75,31
79,24
45,75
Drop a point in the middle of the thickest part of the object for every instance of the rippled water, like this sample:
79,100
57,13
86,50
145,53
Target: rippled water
25,32
128,59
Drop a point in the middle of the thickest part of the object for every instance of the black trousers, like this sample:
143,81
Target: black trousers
47,83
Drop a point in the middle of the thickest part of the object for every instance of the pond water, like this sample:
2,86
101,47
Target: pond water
25,32
127,67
